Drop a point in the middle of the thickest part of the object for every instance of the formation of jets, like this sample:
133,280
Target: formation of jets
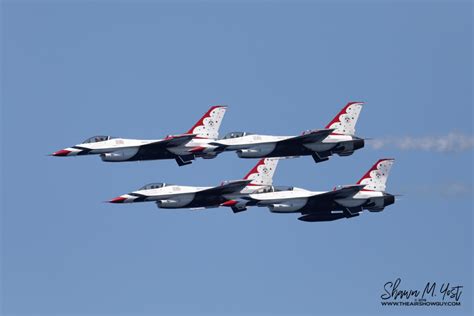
256,188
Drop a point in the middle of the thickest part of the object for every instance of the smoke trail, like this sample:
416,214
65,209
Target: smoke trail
452,142
446,189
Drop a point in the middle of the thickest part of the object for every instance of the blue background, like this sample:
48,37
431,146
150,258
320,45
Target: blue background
144,70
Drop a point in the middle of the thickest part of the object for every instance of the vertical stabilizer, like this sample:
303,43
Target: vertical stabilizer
376,178
262,173
208,126
345,121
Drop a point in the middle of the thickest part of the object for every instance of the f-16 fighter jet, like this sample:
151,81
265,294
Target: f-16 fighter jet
176,196
183,147
337,138
319,206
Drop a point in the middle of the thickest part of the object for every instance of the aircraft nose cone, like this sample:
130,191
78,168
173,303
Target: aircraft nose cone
119,199
61,153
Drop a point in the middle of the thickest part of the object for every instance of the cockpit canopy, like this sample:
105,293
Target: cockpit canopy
154,186
308,131
96,139
236,135
274,189
283,188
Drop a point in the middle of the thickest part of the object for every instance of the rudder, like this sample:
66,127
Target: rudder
208,126
376,178
345,121
262,173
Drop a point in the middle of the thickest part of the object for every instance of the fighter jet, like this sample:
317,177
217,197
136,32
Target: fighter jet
337,138
183,147
319,206
170,196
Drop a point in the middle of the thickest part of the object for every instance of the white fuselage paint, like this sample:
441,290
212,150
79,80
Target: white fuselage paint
294,200
179,196
265,144
119,144
168,192
244,141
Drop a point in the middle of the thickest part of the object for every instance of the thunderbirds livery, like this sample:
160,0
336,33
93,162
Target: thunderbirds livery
178,196
256,188
317,206
183,147
337,138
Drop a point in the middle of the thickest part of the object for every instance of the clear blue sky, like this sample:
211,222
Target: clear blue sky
70,71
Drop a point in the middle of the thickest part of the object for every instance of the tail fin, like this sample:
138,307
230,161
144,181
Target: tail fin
344,122
208,125
377,176
262,173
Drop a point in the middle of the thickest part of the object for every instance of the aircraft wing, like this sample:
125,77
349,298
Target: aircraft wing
171,141
227,188
341,193
311,137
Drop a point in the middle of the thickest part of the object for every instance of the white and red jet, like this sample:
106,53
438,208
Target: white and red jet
183,148
173,196
337,138
317,206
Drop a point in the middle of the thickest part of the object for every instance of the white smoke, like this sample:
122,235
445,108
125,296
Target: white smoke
452,142
446,189
457,189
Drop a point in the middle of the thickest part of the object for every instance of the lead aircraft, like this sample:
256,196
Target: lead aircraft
318,206
182,147
173,196
336,138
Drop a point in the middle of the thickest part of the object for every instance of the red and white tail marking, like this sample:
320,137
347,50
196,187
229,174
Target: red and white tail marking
262,173
208,126
377,176
345,121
